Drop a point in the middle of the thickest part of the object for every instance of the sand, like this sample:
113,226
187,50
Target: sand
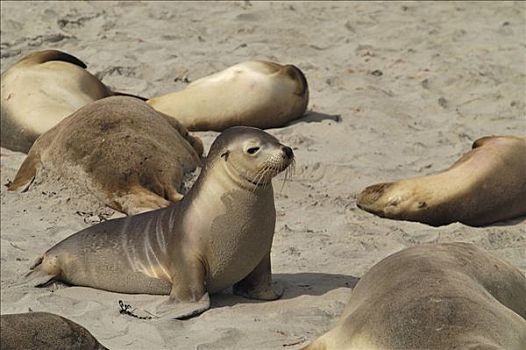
397,90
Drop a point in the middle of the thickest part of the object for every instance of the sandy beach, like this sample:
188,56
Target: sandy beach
397,90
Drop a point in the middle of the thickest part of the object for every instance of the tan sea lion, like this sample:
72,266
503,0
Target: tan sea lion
434,296
253,93
43,331
39,91
128,155
220,234
486,185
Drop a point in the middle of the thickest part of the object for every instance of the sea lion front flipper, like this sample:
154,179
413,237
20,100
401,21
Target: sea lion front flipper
163,309
188,297
182,310
258,283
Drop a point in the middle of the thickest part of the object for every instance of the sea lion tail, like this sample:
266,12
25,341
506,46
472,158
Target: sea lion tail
51,55
38,277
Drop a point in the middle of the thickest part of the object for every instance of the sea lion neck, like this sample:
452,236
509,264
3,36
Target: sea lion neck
218,178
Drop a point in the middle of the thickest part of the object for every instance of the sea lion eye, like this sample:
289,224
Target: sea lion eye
252,150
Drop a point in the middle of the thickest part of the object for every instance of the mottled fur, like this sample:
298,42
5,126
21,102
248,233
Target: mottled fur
44,331
127,154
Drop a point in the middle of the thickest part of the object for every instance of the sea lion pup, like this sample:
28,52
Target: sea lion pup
131,157
434,296
486,185
253,93
220,234
39,91
43,330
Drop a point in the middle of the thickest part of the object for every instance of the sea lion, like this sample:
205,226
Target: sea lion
220,234
39,91
128,155
434,296
486,185
253,93
43,330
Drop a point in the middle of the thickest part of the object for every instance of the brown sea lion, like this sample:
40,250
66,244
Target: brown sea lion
253,93
129,156
220,234
44,331
486,185
434,296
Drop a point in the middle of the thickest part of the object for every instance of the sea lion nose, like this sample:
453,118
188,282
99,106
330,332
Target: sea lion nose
288,152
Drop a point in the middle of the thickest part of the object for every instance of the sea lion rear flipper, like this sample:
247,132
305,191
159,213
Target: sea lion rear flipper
25,175
38,277
138,200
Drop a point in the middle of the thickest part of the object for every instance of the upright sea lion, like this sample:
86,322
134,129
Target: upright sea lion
39,91
434,296
128,155
220,234
42,331
253,93
486,185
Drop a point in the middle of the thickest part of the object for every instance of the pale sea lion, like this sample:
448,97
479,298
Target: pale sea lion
253,93
220,234
39,91
128,155
486,185
42,331
434,296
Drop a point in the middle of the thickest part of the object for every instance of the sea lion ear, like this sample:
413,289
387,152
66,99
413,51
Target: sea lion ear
225,155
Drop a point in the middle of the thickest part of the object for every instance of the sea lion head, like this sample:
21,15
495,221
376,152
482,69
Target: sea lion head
250,155
393,199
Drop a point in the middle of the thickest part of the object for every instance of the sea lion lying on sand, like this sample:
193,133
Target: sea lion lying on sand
39,91
434,296
486,185
131,157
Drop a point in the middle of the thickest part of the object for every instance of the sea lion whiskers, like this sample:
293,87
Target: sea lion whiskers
289,172
259,178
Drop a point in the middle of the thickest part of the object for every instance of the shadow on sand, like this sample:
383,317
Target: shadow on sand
315,117
295,284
